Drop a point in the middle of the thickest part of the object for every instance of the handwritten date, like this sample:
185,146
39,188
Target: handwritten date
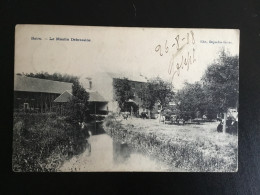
182,47
179,43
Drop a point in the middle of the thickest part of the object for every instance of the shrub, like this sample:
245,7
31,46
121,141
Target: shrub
41,142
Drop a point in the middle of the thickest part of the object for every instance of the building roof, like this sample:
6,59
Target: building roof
129,76
64,97
96,97
93,97
29,84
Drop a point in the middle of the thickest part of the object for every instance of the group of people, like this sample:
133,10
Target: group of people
231,125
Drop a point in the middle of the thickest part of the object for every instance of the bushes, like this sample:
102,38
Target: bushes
41,142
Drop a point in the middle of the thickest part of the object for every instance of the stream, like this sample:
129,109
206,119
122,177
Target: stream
109,155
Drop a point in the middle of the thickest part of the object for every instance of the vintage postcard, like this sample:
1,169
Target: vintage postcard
98,99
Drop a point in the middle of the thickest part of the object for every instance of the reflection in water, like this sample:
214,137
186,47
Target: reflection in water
96,128
121,152
88,148
109,155
126,158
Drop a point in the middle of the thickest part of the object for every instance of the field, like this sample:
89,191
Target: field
194,147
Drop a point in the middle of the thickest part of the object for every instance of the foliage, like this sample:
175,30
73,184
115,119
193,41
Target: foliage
156,90
78,107
218,91
221,82
191,99
54,77
41,142
123,92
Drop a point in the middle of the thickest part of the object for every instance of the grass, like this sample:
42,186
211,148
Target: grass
190,147
42,142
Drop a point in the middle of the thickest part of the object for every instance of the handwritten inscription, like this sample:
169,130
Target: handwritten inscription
181,51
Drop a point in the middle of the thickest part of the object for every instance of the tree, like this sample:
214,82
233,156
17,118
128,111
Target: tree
156,90
123,92
54,76
218,91
77,109
191,99
220,82
146,93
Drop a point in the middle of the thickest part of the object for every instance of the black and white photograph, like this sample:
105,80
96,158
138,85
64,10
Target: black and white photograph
125,99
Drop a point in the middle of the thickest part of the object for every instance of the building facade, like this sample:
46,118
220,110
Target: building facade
103,83
38,95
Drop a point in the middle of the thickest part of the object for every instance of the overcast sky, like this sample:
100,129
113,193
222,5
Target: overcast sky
113,49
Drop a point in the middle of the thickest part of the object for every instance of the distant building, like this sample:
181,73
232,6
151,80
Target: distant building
103,83
64,97
97,104
37,94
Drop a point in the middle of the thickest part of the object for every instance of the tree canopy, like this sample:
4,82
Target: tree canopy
216,92
191,99
156,90
123,92
78,107
55,76
221,82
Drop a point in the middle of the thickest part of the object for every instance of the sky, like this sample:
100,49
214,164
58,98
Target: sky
146,51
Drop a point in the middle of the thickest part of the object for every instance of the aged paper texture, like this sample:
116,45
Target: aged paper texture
125,99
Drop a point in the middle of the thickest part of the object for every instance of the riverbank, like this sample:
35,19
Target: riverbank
196,148
43,141
108,155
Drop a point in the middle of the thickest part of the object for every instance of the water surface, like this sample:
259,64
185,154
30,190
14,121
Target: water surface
109,155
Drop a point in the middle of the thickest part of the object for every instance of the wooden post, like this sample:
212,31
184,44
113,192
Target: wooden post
50,101
95,118
41,103
224,124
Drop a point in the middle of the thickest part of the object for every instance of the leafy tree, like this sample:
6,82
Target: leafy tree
218,91
123,92
78,107
54,77
146,93
156,90
191,99
220,82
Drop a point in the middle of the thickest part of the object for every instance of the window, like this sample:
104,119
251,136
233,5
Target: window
26,106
